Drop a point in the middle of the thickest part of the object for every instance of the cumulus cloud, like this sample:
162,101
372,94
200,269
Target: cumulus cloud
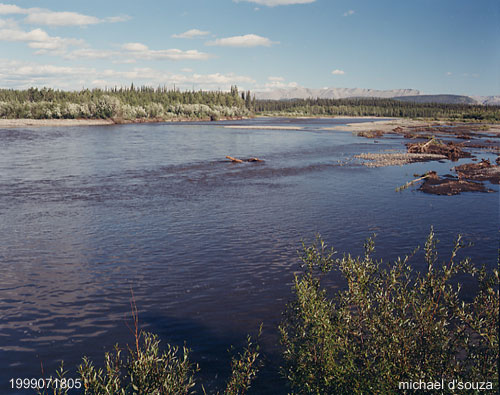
248,40
8,24
135,47
16,74
221,79
21,75
38,39
132,52
11,9
275,82
349,13
273,3
142,51
39,16
279,79
277,85
115,19
89,53
338,72
51,18
192,33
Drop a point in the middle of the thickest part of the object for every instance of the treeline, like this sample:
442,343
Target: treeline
130,103
124,103
377,107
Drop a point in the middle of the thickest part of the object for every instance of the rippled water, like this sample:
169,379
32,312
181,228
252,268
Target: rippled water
208,247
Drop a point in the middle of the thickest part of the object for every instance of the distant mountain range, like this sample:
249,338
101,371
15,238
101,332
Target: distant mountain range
398,94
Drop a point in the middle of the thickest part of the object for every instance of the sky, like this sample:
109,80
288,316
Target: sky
434,46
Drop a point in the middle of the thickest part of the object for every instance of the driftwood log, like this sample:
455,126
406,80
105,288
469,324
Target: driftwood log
236,160
429,174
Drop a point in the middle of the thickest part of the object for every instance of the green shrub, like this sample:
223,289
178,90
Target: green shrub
146,369
389,324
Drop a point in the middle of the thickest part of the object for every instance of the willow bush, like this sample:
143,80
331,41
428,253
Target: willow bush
389,325
146,369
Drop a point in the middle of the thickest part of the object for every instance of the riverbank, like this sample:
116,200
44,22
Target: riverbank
23,122
402,125
16,123
382,126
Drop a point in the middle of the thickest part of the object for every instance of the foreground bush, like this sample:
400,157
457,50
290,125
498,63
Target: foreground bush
389,325
146,370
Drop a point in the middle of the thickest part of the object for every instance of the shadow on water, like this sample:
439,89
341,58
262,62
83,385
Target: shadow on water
212,351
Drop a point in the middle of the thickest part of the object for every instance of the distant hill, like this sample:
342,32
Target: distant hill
331,93
487,100
398,94
441,99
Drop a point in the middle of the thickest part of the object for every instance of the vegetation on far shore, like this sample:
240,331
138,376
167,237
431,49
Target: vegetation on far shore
387,325
147,103
124,104
375,107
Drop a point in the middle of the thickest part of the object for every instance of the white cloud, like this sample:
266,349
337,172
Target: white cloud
21,75
338,72
11,9
39,16
51,18
349,13
38,39
275,82
220,79
135,47
42,70
449,73
192,33
248,40
141,51
187,70
278,84
89,53
273,3
119,18
8,24
132,52
177,54
16,74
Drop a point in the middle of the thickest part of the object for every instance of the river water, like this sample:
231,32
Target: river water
208,247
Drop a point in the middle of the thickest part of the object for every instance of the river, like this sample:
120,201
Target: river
208,247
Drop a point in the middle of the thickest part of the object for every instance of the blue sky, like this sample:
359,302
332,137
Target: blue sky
435,46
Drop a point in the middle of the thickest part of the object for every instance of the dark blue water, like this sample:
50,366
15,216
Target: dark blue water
208,247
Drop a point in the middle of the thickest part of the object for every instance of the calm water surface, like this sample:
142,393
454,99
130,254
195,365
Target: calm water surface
208,247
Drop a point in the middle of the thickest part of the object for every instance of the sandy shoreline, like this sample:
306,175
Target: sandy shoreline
16,123
264,127
13,123
387,126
